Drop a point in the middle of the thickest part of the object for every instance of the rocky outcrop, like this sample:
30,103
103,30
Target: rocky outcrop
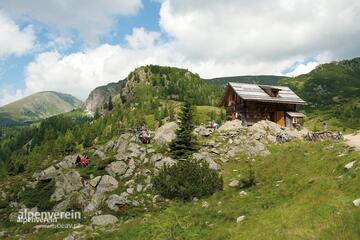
101,94
66,184
166,133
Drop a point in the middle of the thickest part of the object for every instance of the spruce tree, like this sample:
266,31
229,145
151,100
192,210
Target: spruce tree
110,104
184,145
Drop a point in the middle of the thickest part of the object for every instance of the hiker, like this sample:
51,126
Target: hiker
325,126
145,136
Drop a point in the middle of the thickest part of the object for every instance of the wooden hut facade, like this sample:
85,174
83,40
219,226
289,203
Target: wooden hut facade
252,103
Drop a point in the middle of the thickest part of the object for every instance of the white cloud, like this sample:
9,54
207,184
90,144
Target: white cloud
91,18
140,39
6,96
14,40
303,68
208,37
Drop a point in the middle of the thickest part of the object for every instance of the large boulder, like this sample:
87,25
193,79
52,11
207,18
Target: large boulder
65,184
46,174
107,184
231,125
166,133
103,220
114,201
116,168
206,157
68,162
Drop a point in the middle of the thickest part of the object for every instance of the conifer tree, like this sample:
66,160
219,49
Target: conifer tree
110,104
184,145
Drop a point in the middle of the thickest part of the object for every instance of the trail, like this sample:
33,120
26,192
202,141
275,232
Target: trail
353,140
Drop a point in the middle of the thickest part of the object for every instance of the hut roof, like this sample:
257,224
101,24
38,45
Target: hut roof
256,92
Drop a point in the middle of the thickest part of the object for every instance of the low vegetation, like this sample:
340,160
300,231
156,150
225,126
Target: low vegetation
187,179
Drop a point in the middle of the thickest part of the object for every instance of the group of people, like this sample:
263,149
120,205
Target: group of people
143,134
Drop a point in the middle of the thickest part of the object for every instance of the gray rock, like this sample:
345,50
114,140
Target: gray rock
107,184
139,187
94,182
166,133
205,204
110,145
203,131
68,162
356,202
168,161
242,193
65,184
115,200
72,236
349,165
234,183
99,154
116,168
104,220
240,219
130,190
135,150
156,157
96,200
46,174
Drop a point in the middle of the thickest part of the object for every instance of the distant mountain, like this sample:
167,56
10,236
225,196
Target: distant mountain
148,83
157,82
101,94
37,106
258,79
332,91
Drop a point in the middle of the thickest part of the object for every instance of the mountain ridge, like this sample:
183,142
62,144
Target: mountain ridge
37,106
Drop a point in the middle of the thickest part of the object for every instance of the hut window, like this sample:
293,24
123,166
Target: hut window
294,120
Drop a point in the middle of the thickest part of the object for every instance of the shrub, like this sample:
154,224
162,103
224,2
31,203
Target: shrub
186,180
250,180
39,196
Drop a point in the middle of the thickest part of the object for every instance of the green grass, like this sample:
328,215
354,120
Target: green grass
303,192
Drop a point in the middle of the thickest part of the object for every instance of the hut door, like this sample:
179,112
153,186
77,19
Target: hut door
280,118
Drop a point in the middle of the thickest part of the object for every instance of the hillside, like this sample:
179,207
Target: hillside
300,190
37,106
258,79
332,91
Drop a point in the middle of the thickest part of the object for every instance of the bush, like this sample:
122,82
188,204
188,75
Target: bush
186,180
39,196
250,180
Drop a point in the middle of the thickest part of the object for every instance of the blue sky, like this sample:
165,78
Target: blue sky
75,46
12,67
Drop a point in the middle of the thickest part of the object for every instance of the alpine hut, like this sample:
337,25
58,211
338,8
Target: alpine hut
252,103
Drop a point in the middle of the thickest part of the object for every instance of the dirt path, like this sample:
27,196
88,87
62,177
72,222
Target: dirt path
353,141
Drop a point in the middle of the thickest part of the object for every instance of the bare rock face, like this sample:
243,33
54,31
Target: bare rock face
101,94
166,133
